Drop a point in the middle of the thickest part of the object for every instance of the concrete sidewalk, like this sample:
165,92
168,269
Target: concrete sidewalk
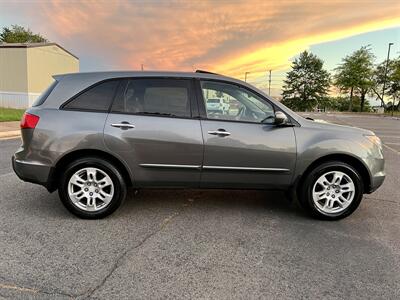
9,129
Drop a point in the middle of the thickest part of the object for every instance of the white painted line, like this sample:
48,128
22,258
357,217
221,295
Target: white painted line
390,148
390,136
390,143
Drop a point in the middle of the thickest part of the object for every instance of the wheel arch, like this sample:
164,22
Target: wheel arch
346,158
71,156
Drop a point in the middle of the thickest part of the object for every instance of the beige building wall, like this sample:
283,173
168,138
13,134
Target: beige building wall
13,70
44,62
26,71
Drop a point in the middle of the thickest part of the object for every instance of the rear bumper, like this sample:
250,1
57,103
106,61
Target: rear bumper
32,172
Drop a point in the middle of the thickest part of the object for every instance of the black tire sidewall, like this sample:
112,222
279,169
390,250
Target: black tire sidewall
306,191
105,166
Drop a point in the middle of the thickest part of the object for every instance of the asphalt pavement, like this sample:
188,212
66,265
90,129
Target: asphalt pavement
201,244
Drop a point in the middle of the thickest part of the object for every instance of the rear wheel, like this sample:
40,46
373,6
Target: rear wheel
331,191
92,188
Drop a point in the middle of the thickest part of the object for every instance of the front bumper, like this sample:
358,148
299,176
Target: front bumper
376,181
32,172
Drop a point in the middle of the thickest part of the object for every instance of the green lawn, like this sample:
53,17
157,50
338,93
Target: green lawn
10,114
395,113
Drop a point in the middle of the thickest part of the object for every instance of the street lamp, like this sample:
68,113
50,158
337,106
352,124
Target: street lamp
384,78
245,76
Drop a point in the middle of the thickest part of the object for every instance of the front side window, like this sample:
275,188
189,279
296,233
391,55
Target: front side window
96,98
162,97
230,102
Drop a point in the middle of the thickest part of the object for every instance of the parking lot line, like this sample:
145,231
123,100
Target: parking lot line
390,148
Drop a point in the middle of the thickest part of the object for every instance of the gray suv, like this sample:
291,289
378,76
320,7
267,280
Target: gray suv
92,135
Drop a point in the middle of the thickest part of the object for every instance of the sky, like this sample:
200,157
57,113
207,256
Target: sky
226,36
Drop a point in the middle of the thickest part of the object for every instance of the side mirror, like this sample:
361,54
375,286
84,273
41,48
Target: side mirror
280,118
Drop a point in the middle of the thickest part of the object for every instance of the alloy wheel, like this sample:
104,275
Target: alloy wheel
90,189
333,192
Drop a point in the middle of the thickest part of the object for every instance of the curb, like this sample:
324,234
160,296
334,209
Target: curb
10,134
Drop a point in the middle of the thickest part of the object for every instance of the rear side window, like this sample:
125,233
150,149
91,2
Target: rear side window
42,98
167,97
96,98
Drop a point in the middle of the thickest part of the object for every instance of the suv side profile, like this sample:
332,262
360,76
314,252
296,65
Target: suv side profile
92,135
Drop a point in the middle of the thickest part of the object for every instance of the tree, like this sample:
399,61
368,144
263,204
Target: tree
392,78
354,74
307,84
18,34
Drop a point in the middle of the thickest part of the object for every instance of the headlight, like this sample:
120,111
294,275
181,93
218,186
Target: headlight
374,139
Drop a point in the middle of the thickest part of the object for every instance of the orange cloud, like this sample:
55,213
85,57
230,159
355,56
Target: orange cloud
230,37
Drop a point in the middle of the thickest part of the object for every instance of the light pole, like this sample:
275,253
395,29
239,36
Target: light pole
245,76
384,78
269,83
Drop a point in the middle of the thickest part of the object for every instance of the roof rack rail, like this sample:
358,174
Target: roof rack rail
206,72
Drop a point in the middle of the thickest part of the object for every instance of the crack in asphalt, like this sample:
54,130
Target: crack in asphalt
115,266
119,260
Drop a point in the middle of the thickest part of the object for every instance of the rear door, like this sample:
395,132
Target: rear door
150,126
241,149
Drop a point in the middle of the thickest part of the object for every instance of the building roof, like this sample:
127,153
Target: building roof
34,45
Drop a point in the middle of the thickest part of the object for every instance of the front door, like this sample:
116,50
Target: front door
150,127
241,150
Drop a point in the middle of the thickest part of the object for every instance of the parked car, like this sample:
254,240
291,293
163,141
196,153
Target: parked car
217,105
92,135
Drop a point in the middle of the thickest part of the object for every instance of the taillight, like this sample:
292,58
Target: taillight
29,121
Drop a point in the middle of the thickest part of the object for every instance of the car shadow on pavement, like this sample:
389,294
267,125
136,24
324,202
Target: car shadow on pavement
267,202
167,201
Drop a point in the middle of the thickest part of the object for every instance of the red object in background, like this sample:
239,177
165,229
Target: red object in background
29,121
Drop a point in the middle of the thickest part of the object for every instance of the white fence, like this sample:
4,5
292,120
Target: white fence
17,100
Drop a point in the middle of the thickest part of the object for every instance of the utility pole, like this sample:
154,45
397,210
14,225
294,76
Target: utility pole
142,67
245,76
269,83
384,78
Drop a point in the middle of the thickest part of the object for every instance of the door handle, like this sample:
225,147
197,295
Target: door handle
220,132
123,125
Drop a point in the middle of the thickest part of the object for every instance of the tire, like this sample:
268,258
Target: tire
98,196
323,201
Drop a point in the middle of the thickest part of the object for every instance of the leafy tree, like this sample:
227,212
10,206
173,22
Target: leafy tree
392,86
307,84
354,74
18,34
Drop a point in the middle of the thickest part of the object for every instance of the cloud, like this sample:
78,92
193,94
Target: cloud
225,36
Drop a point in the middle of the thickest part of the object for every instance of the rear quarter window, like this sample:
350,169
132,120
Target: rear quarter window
96,98
42,98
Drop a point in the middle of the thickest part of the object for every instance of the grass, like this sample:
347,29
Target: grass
395,113
10,114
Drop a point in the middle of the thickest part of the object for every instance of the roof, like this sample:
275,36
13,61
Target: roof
103,75
34,45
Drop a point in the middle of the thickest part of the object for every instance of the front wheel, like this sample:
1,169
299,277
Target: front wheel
331,191
92,188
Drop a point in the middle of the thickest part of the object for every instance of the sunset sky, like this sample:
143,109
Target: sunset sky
228,37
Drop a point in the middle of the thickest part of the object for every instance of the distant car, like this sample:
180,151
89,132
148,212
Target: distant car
217,105
91,135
